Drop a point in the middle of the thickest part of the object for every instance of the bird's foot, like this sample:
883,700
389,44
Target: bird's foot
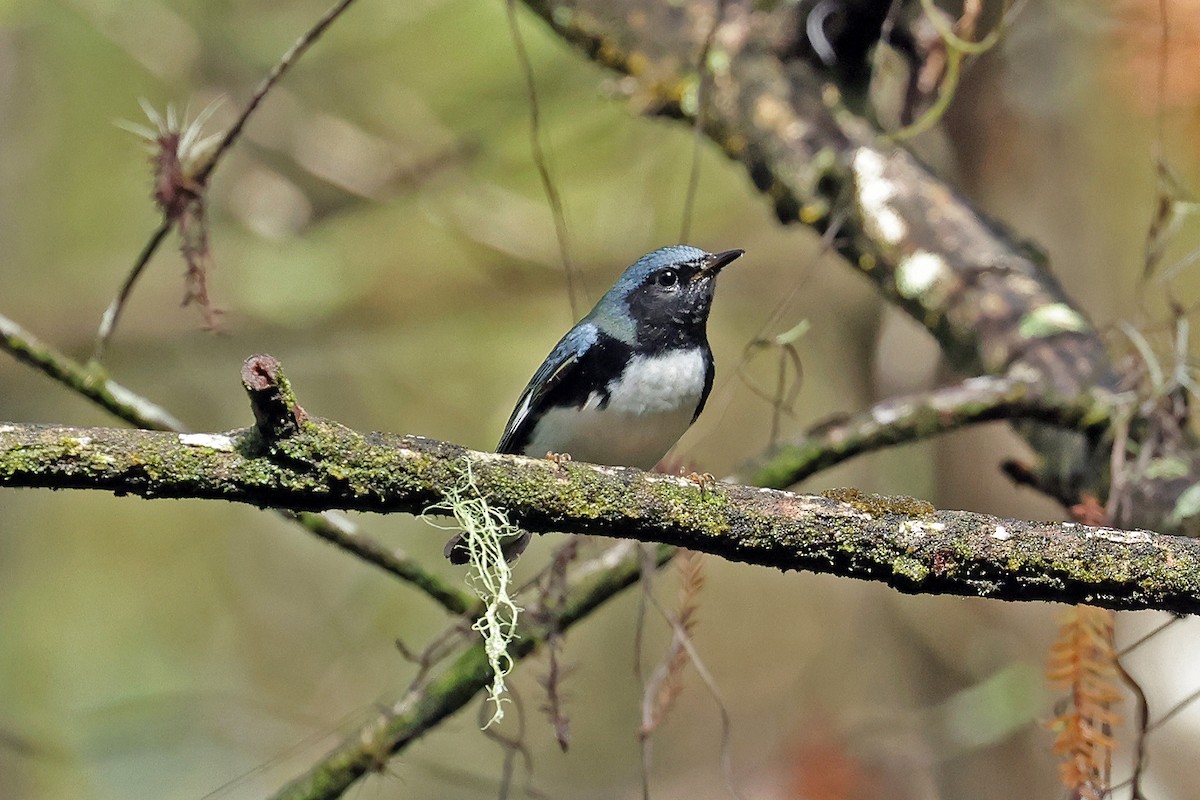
705,480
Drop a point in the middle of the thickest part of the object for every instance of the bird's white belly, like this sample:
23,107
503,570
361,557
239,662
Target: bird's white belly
648,409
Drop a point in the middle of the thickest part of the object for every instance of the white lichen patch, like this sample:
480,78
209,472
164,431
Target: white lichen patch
919,274
7,428
844,508
613,472
1119,536
1022,371
1051,319
213,441
915,528
478,457
606,560
887,414
981,383
82,441
1002,533
875,195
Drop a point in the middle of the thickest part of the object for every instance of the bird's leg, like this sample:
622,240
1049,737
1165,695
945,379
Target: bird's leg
704,480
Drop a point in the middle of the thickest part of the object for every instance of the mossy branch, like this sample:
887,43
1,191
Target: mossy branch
901,420
90,382
318,465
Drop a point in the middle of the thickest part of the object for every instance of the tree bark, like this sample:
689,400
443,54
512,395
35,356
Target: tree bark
902,542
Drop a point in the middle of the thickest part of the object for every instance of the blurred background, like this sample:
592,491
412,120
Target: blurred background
381,229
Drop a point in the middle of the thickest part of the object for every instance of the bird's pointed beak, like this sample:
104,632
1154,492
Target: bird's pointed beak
715,262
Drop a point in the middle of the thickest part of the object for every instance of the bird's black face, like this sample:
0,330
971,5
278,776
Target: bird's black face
671,304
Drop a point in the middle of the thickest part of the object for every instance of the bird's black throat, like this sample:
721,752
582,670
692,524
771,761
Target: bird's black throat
662,325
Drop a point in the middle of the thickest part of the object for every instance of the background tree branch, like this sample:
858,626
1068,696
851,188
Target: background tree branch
899,420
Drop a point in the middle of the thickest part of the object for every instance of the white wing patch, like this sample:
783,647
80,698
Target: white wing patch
522,412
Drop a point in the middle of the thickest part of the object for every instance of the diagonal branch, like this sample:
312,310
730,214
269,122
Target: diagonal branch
424,707
92,383
285,62
901,420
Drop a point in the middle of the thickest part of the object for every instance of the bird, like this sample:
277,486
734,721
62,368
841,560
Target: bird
629,379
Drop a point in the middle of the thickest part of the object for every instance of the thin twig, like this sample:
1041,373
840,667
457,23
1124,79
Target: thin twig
723,394
1174,711
108,322
957,49
112,314
689,200
681,635
552,595
89,382
645,556
1141,640
1143,722
513,745
281,67
348,720
542,162
346,536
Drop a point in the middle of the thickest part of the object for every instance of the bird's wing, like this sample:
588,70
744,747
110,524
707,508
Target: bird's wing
561,362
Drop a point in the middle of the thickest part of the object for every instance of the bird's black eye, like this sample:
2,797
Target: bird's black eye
667,278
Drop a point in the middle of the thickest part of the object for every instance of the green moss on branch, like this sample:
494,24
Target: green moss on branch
326,466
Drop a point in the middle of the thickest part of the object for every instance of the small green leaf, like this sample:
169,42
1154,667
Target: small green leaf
793,335
1188,504
1051,319
1166,467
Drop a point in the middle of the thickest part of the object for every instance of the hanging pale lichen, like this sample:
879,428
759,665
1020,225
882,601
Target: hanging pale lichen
485,529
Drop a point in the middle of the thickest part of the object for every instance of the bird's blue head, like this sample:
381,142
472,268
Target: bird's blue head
663,298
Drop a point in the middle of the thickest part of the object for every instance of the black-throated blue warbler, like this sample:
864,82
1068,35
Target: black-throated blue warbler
626,382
